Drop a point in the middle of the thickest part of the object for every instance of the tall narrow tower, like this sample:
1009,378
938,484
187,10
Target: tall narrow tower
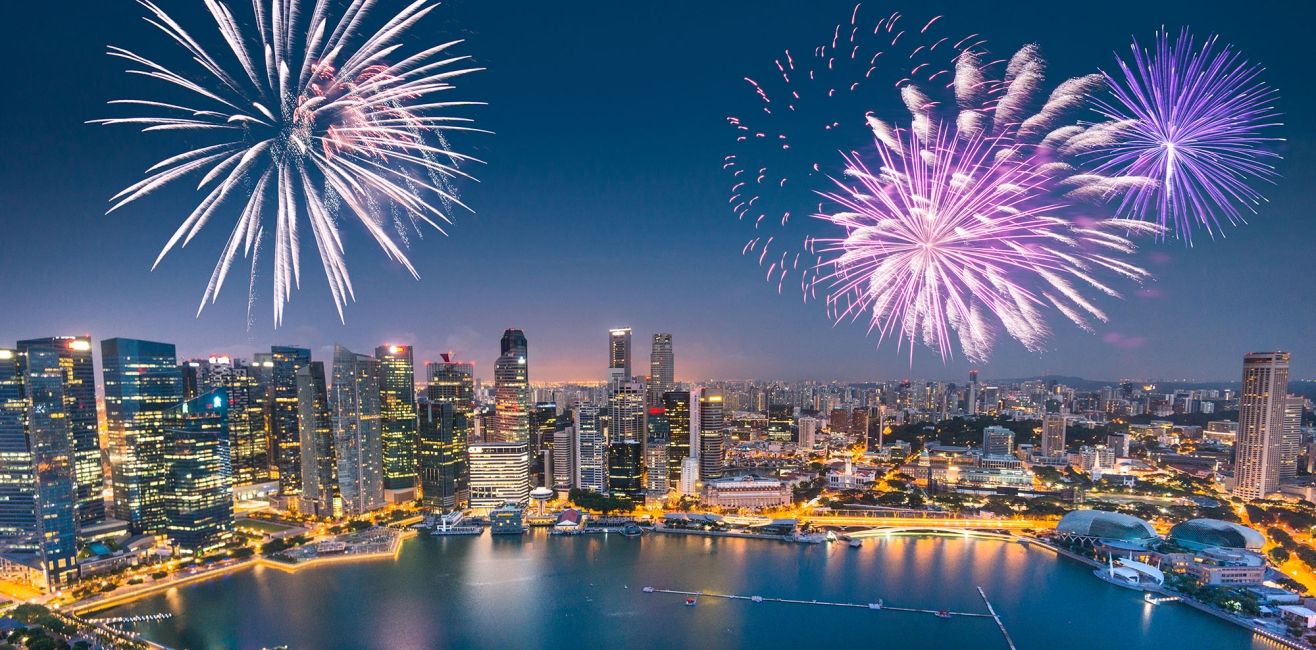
512,390
1261,423
662,368
619,351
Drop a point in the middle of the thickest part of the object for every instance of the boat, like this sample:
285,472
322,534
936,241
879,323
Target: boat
631,530
875,606
647,590
757,599
941,613
690,602
806,538
856,543
831,536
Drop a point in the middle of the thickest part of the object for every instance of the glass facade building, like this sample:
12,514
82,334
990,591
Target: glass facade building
142,382
676,409
319,495
397,409
199,488
511,390
354,412
441,456
285,433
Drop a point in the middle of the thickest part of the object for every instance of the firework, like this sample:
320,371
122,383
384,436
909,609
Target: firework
948,238
971,223
1196,120
309,111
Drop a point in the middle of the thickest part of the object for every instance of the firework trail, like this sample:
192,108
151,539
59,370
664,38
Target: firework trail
1197,120
807,105
971,222
310,109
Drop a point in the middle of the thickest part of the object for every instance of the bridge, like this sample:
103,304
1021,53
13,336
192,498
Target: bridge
884,523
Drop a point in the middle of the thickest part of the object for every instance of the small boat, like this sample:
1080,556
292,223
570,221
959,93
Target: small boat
875,606
943,614
647,590
757,599
690,602
830,536
856,543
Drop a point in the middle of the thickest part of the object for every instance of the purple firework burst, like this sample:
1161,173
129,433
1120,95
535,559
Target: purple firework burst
1197,122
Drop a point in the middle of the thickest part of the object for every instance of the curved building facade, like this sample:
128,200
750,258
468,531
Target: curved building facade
1100,524
1197,534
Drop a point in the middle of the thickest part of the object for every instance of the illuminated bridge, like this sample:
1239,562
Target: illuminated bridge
872,524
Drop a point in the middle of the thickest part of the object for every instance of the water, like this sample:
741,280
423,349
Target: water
552,592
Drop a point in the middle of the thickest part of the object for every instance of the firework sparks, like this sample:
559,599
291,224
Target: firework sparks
948,239
307,115
1198,121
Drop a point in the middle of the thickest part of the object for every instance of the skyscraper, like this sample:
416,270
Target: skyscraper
1259,445
142,382
676,408
565,458
319,457
1053,435
246,415
626,411
199,486
592,458
619,351
711,422
285,433
997,441
626,469
500,473
511,390
662,368
354,412
543,422
1292,437
397,407
657,470
971,397
38,463
441,456
79,390
453,382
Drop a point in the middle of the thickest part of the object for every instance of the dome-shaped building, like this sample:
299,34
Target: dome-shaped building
1197,534
1102,525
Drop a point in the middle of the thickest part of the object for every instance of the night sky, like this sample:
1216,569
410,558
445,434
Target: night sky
603,203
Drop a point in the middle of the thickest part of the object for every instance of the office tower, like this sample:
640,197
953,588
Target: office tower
191,373
500,473
780,418
543,422
1291,438
79,389
1260,442
1053,435
619,351
397,410
839,421
808,432
592,459
453,382
859,423
354,412
38,463
662,368
676,408
199,487
626,469
971,400
319,495
657,466
689,483
565,456
511,391
142,382
876,431
997,441
441,456
626,411
250,454
711,422
285,433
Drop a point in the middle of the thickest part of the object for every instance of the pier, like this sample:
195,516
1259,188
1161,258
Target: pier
1008,640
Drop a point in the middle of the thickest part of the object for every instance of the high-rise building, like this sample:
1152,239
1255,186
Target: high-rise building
79,390
1053,435
285,433
453,382
676,408
397,408
1291,439
971,396
808,432
997,441
142,382
354,412
626,411
246,413
592,458
780,418
662,368
441,456
626,469
511,391
711,423
319,495
689,483
657,468
500,473
619,351
1260,441
199,488
543,422
38,463
565,457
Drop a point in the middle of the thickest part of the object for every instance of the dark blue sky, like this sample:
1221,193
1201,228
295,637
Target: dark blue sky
603,203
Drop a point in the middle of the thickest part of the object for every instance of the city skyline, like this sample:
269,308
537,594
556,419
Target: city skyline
736,325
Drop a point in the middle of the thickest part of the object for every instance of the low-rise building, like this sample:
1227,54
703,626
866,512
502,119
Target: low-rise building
746,492
1220,567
